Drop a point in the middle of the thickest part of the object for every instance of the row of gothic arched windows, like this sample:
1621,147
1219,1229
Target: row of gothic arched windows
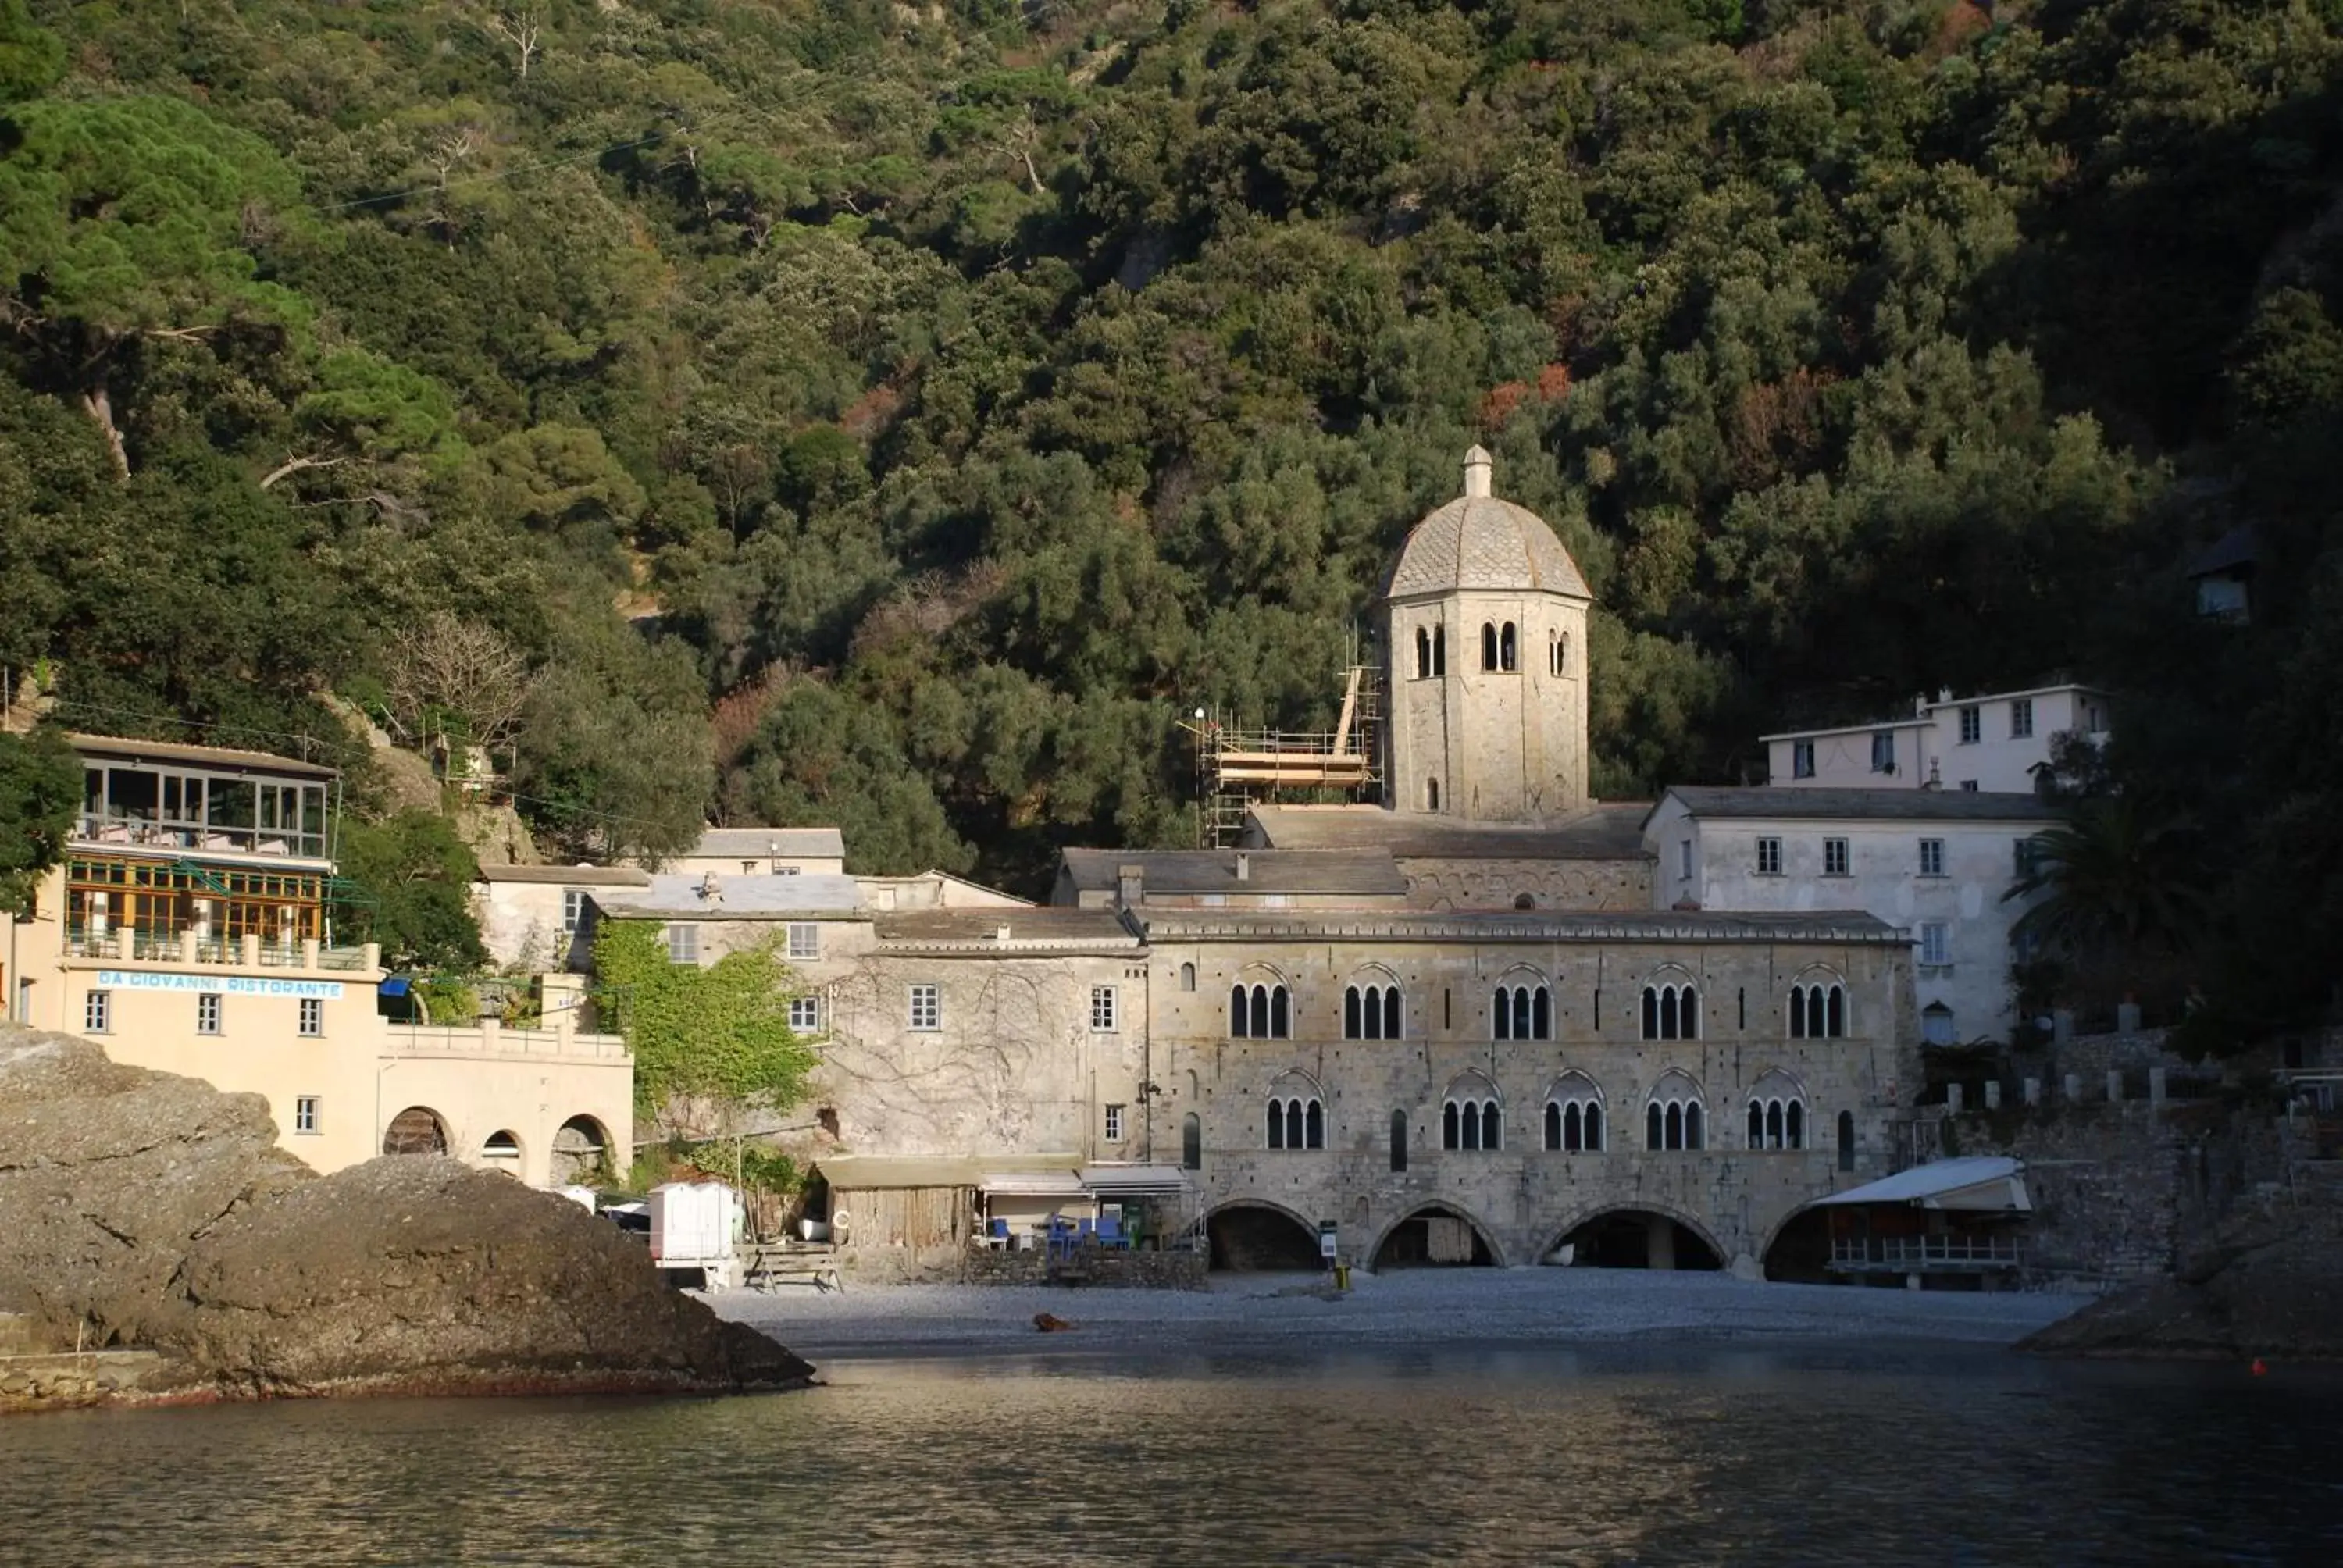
1522,1012
1517,1012
1574,1127
1777,1124
1472,1123
1671,1012
1258,1013
1500,649
1297,1123
1371,1012
1817,1011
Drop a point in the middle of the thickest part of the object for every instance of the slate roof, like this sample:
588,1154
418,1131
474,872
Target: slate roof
1864,805
569,876
762,843
1368,871
1493,926
676,894
2238,550
1611,831
1052,929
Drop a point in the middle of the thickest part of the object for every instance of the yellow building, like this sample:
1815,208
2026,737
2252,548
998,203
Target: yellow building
189,930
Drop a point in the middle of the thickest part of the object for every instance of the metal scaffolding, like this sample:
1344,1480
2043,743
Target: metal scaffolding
1238,766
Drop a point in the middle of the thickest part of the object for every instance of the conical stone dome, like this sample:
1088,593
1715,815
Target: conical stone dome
1477,541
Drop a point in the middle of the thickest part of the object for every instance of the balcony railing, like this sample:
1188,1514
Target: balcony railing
1906,1254
240,952
197,838
489,1038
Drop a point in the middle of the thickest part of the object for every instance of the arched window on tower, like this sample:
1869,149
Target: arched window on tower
1508,650
1846,1139
1424,653
1557,653
1439,651
1488,644
1191,1142
1187,976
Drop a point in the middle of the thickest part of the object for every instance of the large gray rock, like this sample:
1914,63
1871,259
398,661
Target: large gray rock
141,1209
108,1176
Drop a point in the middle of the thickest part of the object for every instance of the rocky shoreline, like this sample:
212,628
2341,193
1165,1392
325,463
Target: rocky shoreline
147,1213
2269,1286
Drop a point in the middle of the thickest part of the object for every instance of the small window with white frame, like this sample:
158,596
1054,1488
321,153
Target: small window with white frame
1972,726
311,1012
1769,857
1802,758
927,1007
307,1118
1114,1124
1102,1013
98,1012
1932,857
805,940
573,908
208,1012
1835,857
682,943
805,1014
1935,944
2021,718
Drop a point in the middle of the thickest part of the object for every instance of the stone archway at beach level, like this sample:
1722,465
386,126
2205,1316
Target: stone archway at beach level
1434,1236
418,1130
1635,1239
1257,1238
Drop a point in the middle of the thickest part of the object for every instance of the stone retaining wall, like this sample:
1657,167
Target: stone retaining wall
1103,1266
2121,1190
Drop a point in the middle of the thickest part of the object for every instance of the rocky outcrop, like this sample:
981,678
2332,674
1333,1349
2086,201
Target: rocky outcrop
2268,1284
146,1210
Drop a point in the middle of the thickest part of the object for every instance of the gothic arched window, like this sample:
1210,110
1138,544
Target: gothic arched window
1671,1011
1508,650
1488,644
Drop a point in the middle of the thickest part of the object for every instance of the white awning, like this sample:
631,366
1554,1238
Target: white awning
1134,1180
1989,1183
1033,1184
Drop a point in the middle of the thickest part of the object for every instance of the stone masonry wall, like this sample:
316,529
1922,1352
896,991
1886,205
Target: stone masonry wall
2121,1191
1101,1266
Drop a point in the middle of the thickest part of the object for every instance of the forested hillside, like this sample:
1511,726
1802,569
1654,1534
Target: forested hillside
897,416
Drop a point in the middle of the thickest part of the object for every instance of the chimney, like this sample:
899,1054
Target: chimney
1244,866
1130,885
711,890
1000,932
1476,472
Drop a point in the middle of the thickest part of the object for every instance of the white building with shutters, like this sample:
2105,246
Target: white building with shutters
1936,863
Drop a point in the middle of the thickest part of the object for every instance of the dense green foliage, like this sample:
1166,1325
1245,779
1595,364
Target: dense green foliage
40,795
412,878
714,1040
953,398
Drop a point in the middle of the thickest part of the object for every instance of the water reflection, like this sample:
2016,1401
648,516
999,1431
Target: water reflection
1639,1455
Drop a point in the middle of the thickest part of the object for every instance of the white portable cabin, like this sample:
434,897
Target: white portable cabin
692,1225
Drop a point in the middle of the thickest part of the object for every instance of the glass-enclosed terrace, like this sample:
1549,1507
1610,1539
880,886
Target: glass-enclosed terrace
203,800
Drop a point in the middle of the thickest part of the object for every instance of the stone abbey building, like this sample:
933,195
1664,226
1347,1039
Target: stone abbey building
1458,1026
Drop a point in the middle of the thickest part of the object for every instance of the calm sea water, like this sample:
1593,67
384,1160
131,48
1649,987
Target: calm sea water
1448,1456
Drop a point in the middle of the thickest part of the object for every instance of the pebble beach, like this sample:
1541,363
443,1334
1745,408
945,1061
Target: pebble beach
1269,1312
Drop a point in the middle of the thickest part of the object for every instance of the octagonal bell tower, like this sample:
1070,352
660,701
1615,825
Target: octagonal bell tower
1485,618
